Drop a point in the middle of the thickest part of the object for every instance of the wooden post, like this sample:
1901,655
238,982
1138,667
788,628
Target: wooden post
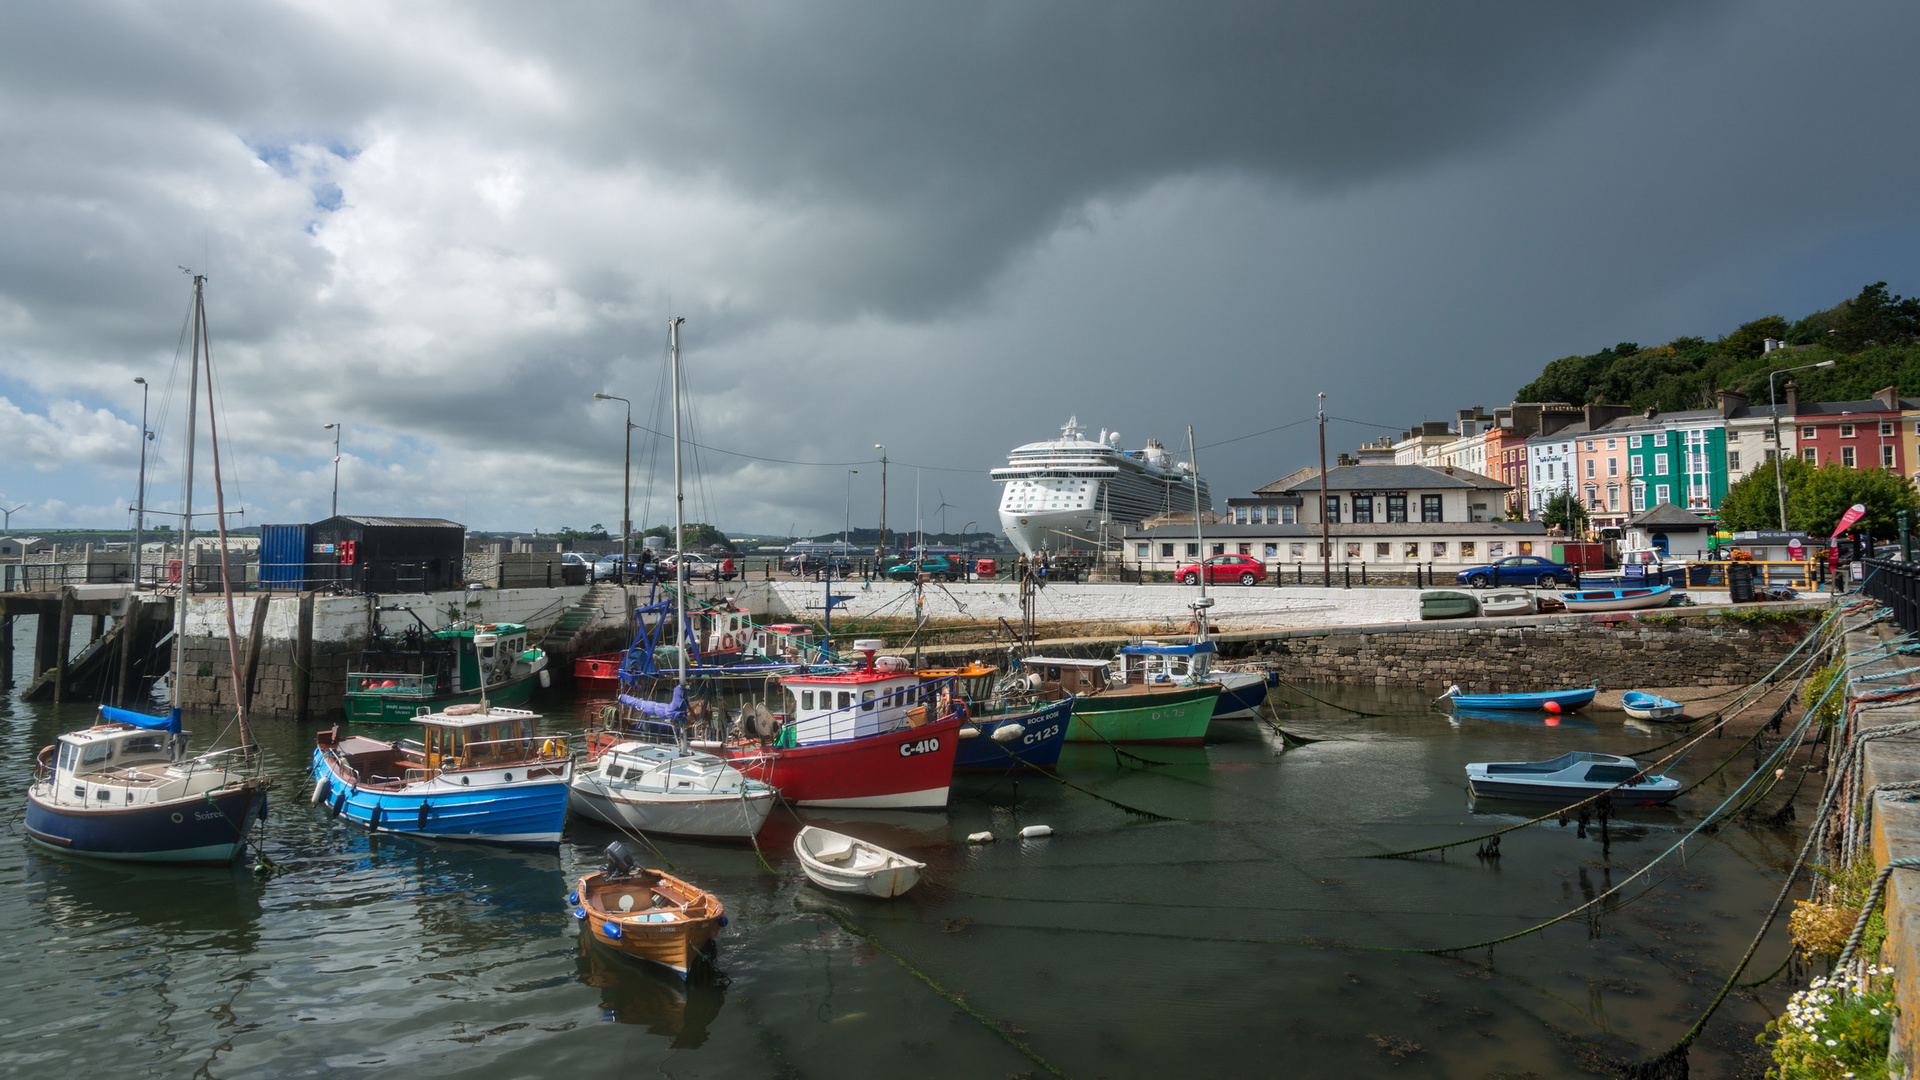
129,633
254,634
6,651
63,645
302,656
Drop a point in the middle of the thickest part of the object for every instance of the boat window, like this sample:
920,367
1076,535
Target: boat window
846,699
145,744
1609,774
806,699
68,752
866,701
96,753
615,772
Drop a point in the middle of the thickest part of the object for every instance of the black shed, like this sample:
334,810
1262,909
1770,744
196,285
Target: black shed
386,555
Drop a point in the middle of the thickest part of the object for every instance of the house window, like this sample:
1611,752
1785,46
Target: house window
1846,456
1219,549
1886,457
1808,433
1246,549
1333,509
1810,455
1591,465
1353,551
1271,551
1412,549
1383,551
1636,466
1193,551
1589,446
1166,551
1287,515
1525,547
1846,431
1633,442
1322,549
1496,549
1363,509
1140,550
1766,435
1466,549
1613,496
1660,462
1239,515
1439,549
1613,466
1886,429
1593,496
1613,444
1298,551
1659,438
1638,494
1663,492
1430,508
1273,515
1396,508
1733,460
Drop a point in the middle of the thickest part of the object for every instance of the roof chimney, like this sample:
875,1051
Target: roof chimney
1650,411
1729,401
1890,397
1793,398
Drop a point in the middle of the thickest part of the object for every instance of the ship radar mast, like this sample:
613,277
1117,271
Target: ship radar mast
1071,429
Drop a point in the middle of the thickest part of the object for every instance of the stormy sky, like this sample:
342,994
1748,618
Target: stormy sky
944,228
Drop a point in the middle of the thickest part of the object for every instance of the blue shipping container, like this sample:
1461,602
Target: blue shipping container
283,557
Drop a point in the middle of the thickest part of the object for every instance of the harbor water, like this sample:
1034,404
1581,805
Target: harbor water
1246,936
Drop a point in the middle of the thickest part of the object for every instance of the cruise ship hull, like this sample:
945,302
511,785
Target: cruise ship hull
1055,531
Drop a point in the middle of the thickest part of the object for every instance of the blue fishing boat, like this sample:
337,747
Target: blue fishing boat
480,773
1001,731
127,790
1551,700
1241,692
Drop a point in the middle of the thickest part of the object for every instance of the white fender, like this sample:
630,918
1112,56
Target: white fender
1008,732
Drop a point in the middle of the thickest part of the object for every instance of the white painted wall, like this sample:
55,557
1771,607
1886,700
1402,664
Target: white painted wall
1235,607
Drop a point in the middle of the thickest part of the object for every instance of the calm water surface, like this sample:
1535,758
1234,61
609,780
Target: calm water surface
1115,948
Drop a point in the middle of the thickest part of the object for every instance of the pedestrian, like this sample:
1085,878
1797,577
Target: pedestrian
726,568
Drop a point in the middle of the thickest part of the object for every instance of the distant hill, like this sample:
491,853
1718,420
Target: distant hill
1875,337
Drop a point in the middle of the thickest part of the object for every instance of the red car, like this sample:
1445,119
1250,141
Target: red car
1221,568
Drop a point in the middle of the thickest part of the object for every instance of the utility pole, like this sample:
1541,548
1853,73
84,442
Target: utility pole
335,428
626,487
1326,539
881,565
1779,451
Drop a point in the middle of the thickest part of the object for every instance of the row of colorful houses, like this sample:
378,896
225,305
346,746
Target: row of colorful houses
1620,463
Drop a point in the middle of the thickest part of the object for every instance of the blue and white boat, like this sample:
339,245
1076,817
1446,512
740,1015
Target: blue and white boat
1570,778
1241,692
1560,700
1644,706
479,773
128,790
1618,599
1029,739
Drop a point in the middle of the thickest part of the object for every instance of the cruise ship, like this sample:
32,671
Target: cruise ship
1075,494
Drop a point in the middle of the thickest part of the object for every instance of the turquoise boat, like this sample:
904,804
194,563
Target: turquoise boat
429,670
1561,700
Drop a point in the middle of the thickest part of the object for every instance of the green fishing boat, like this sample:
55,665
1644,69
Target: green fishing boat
1130,710
433,669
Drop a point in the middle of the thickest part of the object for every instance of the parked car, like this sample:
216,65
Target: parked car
934,565
607,567
1225,568
1519,570
811,565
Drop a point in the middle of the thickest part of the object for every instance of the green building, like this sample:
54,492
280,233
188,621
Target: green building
1675,457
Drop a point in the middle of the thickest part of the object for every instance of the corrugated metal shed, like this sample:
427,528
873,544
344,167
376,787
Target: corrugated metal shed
384,555
283,556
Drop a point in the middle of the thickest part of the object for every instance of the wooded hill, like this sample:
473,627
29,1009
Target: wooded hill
1875,336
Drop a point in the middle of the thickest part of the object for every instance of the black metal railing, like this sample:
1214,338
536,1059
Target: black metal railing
1897,585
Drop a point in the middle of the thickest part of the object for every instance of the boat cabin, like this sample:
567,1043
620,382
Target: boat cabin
446,663
790,642
653,767
1062,676
1152,663
885,696
90,766
461,739
971,682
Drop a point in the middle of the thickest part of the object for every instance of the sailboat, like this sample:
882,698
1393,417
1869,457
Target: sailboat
672,789
128,789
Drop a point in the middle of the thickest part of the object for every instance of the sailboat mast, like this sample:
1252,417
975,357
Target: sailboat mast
679,507
178,673
1193,458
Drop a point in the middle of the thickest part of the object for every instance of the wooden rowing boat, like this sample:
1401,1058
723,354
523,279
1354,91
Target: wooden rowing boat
1617,599
647,914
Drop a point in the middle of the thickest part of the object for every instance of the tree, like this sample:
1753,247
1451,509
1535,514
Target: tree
699,535
1753,502
1816,503
1565,511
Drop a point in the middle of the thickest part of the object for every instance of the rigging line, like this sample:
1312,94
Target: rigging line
1257,434
1369,423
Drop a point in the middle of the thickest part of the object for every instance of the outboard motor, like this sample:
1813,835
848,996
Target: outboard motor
619,862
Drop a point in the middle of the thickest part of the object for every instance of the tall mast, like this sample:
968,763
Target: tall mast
679,511
178,673
1326,539
1193,459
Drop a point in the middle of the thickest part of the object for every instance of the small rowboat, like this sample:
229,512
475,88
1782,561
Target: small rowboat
1617,599
1506,602
1570,778
1448,604
648,915
850,865
1644,706
1561,700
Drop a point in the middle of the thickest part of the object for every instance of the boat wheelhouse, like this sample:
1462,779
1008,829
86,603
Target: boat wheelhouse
423,669
1134,710
1160,663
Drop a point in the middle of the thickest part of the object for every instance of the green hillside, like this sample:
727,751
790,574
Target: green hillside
1875,337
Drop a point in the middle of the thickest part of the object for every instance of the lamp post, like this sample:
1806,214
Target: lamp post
335,428
883,501
1779,450
846,529
140,499
626,487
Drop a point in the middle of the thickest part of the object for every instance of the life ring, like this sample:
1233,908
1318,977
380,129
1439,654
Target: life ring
728,643
554,748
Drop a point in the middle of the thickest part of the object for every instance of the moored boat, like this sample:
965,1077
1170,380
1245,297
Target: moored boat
1448,604
601,671
1506,602
1644,706
1618,599
1561,700
649,915
1241,692
433,669
480,773
662,788
1132,712
1571,777
999,731
848,864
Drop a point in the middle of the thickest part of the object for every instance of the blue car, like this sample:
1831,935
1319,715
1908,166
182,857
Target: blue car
1519,570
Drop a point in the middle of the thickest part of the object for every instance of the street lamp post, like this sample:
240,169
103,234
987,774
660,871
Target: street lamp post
846,529
883,501
626,487
335,428
1779,449
140,498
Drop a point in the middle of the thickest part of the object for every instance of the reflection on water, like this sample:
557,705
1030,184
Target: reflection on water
1119,946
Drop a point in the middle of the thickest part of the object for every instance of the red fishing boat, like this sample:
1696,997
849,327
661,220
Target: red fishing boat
600,671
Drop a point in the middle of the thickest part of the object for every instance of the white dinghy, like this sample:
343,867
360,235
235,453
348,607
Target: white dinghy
850,865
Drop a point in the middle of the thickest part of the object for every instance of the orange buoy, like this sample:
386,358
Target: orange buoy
1552,706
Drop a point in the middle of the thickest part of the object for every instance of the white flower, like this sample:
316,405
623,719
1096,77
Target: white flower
1875,1012
1832,1042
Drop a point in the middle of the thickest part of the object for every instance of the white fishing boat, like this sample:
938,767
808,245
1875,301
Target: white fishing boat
656,788
1571,777
848,864
1644,706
